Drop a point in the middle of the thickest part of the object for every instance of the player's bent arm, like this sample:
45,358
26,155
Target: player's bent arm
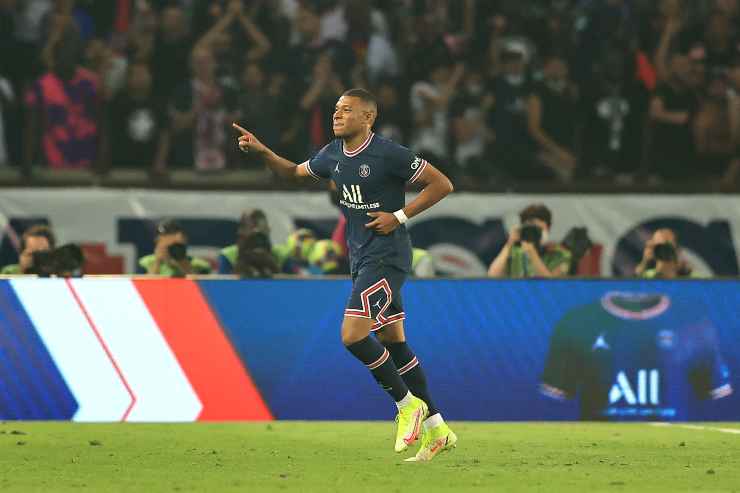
436,186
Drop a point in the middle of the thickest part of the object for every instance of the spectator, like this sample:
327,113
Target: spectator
224,41
730,175
7,102
661,257
555,38
527,253
292,256
549,118
37,238
109,67
170,258
64,108
713,129
427,47
614,109
259,105
325,258
171,48
142,40
368,37
199,117
671,110
721,42
252,221
304,55
511,89
430,101
320,98
255,257
393,115
471,136
136,121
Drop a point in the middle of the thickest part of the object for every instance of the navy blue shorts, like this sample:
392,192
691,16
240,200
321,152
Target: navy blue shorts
376,295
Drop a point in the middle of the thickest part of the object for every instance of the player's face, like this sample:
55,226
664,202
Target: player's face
350,116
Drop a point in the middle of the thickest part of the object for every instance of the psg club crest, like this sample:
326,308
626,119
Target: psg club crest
364,171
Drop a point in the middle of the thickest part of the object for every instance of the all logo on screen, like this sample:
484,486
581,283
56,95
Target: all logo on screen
644,389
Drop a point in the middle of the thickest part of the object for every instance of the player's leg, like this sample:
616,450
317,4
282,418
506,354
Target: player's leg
356,338
392,336
371,294
437,436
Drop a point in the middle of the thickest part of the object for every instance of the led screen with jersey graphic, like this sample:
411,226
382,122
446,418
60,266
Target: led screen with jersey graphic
636,356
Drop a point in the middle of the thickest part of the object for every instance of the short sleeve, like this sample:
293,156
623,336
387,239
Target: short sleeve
558,257
710,376
405,164
320,165
560,376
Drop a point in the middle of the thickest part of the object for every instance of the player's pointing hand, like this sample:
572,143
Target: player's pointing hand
383,222
248,142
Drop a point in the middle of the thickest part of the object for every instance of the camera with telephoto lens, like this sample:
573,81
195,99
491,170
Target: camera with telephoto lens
665,252
530,233
66,260
254,257
177,251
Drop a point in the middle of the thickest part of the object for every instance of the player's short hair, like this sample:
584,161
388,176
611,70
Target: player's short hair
363,94
39,231
536,211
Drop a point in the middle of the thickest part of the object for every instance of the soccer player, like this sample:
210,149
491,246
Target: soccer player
370,173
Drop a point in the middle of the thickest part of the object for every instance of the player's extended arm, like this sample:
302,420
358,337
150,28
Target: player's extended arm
436,187
283,167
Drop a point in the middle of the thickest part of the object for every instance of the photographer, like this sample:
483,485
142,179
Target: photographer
251,255
255,258
661,259
37,238
527,252
170,256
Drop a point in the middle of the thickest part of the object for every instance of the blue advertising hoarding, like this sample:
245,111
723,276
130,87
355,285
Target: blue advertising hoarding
180,350
623,350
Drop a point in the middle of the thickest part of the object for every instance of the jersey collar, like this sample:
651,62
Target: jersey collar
610,306
362,147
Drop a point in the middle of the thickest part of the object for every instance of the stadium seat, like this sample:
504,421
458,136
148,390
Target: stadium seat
97,260
590,263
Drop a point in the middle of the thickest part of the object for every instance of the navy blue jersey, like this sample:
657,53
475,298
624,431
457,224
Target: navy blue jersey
370,179
636,357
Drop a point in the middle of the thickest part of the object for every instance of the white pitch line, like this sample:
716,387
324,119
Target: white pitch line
733,431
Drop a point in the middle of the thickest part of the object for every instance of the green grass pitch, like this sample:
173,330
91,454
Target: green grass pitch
358,457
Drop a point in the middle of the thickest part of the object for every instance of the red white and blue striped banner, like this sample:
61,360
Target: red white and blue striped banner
136,350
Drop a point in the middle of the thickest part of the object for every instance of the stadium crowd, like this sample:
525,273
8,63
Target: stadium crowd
489,90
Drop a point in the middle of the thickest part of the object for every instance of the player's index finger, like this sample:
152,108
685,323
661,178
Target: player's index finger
241,129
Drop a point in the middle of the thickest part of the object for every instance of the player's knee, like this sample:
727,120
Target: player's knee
392,334
391,337
355,329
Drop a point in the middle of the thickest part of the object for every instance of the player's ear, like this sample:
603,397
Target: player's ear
370,116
